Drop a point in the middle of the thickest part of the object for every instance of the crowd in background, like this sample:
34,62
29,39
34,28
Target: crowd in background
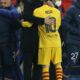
19,40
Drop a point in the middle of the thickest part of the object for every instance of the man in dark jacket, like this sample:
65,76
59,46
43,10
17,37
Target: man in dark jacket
8,27
71,25
29,38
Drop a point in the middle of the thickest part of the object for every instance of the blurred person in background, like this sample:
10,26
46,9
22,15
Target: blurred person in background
65,6
8,26
57,3
71,25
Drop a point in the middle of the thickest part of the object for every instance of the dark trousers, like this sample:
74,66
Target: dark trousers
6,54
29,73
27,66
52,72
6,60
29,47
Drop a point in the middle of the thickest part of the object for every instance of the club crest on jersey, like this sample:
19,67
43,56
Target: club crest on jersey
48,11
